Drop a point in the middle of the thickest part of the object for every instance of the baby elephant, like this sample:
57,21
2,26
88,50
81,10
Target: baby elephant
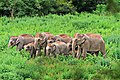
57,48
31,49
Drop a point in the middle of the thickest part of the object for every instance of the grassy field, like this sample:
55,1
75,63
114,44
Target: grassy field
16,65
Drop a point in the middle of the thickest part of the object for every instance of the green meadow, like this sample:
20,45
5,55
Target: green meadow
15,65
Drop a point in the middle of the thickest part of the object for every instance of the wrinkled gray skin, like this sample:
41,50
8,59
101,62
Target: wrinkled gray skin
31,49
23,40
12,41
88,44
57,48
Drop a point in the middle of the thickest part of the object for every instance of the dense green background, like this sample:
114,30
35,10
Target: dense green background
15,65
18,8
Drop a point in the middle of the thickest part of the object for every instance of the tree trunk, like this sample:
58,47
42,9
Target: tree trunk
12,14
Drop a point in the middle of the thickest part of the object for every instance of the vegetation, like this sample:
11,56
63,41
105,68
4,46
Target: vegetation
43,7
15,65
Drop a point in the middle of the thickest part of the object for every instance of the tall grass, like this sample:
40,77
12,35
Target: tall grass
16,65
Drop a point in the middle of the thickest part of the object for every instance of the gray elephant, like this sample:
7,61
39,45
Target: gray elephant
65,38
31,49
92,43
12,41
41,41
57,48
23,40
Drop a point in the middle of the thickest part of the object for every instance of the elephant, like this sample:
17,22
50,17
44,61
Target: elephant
41,40
57,47
31,49
12,41
65,38
92,43
23,40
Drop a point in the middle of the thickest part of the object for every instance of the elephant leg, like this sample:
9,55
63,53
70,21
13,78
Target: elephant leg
54,55
20,47
48,54
45,49
96,53
74,52
34,52
103,51
31,54
84,53
38,51
78,52
66,53
34,55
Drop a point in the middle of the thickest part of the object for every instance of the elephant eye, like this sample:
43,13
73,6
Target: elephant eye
38,39
11,43
28,47
50,41
70,45
49,49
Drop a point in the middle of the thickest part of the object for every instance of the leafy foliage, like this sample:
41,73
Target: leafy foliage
43,7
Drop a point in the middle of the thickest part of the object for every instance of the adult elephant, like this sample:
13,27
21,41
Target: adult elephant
63,37
41,40
23,40
92,43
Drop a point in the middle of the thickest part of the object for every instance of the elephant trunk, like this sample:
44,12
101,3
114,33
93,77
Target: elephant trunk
9,45
73,46
35,44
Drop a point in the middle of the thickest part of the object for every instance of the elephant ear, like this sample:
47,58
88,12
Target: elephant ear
44,41
17,41
83,38
69,46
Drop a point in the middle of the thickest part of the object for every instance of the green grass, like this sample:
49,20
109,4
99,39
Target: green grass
16,65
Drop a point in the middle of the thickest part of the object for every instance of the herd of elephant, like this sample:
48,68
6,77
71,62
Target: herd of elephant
61,44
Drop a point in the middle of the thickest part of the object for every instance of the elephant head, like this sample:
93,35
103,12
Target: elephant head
50,48
30,48
12,41
40,39
79,39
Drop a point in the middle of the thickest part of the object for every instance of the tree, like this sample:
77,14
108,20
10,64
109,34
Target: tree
112,6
